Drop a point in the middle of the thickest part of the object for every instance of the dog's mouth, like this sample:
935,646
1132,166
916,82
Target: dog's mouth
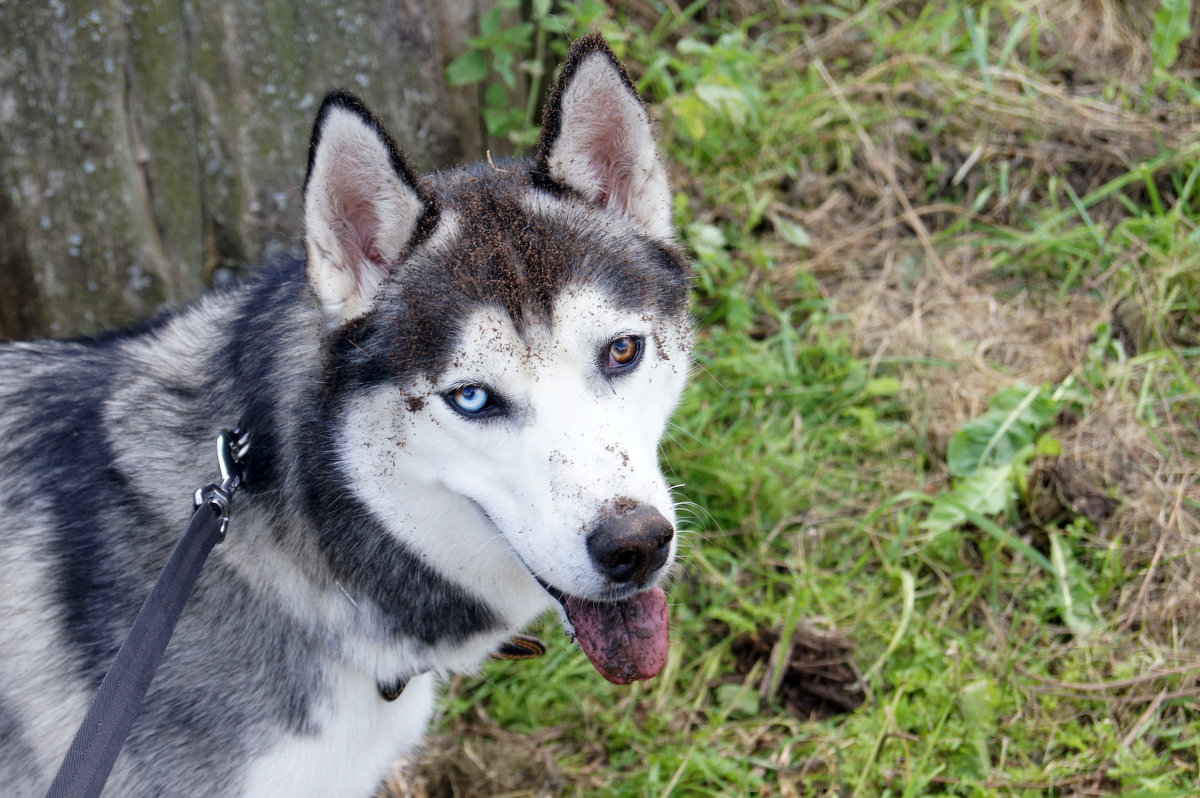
627,640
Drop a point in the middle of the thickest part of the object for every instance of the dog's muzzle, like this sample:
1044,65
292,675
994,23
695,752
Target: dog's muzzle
626,640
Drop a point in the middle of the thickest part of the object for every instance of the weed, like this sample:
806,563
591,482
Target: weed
510,60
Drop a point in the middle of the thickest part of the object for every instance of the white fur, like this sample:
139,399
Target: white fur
606,149
544,475
359,215
358,738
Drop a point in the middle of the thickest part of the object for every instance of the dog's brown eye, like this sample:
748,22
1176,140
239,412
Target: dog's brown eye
624,353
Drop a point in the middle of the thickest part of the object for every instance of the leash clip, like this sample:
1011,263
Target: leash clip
232,446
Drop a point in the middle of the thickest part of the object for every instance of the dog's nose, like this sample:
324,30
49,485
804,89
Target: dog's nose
631,545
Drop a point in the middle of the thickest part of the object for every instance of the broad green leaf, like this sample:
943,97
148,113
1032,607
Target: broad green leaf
1074,594
738,700
706,239
692,113
883,386
1012,423
500,121
518,37
728,100
986,492
496,96
489,23
976,703
690,46
470,67
1048,446
503,62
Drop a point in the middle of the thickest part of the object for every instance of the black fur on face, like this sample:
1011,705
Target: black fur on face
513,259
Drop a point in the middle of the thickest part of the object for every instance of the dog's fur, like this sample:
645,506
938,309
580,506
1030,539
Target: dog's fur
393,525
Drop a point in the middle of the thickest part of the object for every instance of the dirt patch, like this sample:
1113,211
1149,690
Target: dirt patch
819,677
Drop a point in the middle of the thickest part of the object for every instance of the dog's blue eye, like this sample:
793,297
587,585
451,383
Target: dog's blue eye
471,399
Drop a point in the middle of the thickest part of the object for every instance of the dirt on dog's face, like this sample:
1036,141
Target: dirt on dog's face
549,437
523,333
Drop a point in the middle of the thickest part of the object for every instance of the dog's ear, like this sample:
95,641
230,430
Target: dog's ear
598,140
364,207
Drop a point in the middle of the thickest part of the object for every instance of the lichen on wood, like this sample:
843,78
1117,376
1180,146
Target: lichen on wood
153,147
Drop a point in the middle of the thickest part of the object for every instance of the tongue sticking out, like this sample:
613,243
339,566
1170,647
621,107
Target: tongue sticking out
625,640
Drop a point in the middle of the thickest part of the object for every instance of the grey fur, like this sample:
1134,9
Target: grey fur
104,440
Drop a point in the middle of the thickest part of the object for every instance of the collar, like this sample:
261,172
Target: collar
517,647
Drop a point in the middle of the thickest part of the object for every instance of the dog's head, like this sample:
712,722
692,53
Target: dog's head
517,337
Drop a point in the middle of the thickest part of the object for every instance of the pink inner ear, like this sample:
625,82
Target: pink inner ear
612,165
361,237
616,177
599,141
610,148
358,227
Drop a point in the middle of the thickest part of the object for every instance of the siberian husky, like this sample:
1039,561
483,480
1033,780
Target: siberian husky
454,403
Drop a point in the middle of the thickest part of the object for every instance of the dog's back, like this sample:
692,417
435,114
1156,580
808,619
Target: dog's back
104,441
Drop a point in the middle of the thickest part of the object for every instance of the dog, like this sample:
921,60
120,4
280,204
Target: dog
453,402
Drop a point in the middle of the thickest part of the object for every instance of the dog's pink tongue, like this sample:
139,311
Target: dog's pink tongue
625,640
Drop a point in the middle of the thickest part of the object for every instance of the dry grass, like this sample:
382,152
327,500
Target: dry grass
1153,482
481,758
986,337
982,340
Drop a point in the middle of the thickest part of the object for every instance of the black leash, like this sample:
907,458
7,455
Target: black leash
90,758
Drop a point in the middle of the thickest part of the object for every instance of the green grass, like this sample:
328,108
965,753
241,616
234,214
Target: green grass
844,158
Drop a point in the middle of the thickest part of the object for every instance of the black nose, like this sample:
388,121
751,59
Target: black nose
631,545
